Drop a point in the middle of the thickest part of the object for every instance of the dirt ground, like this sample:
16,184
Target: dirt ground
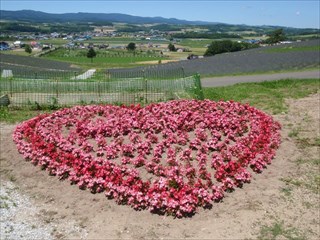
280,203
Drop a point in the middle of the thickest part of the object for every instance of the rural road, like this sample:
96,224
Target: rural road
230,80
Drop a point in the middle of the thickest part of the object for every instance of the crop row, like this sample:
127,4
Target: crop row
250,61
33,62
28,72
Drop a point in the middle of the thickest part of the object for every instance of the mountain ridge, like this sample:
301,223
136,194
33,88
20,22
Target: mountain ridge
38,16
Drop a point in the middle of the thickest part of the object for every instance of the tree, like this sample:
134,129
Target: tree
276,36
91,54
28,49
171,47
131,46
217,47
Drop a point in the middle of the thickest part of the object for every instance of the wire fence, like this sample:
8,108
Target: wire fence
152,72
103,87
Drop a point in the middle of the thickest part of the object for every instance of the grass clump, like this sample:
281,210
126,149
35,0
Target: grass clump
279,231
15,114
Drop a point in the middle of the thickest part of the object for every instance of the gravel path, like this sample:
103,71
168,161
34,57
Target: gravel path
19,216
22,218
230,80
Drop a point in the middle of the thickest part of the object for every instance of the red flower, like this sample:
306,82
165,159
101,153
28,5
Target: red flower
168,157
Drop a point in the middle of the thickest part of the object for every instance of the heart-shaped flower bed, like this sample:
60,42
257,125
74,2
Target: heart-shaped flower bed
168,157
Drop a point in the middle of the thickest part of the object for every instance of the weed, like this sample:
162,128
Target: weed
286,190
307,142
293,133
308,205
12,178
277,230
4,202
307,118
4,197
308,161
53,103
312,183
4,112
292,181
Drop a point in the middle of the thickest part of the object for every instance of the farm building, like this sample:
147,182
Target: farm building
17,43
104,29
4,46
35,44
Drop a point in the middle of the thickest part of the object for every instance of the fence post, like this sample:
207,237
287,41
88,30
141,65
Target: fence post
57,89
145,86
10,83
198,87
182,72
99,88
108,75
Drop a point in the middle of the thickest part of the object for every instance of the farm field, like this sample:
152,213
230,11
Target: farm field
28,64
287,57
149,48
294,56
104,59
264,209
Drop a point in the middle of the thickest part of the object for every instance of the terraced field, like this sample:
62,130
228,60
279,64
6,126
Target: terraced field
22,65
297,55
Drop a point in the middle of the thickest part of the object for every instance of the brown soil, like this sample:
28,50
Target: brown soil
280,203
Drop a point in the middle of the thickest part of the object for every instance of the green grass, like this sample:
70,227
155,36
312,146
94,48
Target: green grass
21,52
55,41
293,49
195,43
269,95
104,59
14,115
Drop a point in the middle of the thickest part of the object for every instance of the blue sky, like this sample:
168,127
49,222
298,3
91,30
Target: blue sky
300,14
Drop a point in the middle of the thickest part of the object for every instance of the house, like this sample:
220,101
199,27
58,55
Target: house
4,46
54,35
17,43
35,44
70,45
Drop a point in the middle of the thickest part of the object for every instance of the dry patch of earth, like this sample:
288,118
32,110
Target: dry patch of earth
280,203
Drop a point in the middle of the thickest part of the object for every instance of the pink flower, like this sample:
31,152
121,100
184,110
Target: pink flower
168,157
